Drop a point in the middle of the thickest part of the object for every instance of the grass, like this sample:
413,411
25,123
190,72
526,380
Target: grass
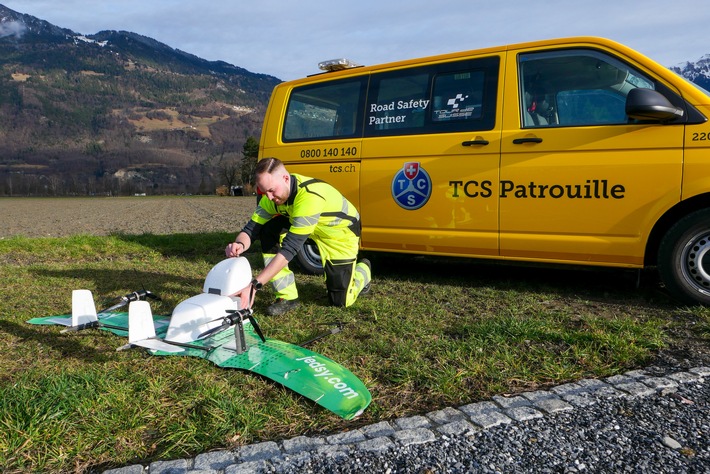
432,333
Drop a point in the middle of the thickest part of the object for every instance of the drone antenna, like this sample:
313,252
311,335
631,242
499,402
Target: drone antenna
335,329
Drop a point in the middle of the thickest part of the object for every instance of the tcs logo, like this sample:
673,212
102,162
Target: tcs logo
411,186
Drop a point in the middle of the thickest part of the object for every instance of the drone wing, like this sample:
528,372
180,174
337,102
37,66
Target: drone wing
305,372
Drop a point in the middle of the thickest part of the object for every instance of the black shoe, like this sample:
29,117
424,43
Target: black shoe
366,288
282,306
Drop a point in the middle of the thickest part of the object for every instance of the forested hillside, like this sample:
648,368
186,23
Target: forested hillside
118,113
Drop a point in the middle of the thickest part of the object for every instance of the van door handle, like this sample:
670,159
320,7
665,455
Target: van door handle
518,141
474,142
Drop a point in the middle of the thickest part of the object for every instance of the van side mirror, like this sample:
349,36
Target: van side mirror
647,104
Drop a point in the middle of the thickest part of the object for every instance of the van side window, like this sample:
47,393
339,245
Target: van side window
575,88
458,96
399,103
325,111
441,98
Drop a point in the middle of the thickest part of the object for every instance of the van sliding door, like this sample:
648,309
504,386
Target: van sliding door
430,157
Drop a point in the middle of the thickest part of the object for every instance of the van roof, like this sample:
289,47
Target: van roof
580,40
692,93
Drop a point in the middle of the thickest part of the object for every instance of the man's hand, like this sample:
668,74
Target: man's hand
235,249
246,295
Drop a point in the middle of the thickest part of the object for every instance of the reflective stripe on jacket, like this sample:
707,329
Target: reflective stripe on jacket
315,209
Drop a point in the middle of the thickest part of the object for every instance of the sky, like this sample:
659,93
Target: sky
287,39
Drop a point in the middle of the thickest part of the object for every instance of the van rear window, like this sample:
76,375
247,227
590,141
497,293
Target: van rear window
325,111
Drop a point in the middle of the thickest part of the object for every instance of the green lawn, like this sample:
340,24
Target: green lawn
432,333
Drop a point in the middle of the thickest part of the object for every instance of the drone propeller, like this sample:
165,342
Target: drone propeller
142,294
254,322
210,332
250,314
235,317
151,295
134,296
214,330
336,327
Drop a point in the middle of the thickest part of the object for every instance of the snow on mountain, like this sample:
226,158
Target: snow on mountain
697,72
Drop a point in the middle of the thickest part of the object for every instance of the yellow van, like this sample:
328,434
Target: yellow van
574,151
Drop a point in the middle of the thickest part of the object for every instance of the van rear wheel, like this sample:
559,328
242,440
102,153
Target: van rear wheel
309,258
684,258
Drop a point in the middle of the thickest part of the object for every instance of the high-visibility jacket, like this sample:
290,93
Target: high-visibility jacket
317,210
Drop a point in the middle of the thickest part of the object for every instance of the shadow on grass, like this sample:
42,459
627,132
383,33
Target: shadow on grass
192,247
69,347
591,283
110,285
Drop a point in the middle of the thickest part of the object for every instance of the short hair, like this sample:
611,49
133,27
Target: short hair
268,165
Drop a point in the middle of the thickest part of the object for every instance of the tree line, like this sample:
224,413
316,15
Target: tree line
230,169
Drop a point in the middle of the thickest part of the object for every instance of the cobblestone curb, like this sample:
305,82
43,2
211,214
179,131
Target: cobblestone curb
425,428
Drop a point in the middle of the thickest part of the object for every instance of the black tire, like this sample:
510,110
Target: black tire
684,258
309,258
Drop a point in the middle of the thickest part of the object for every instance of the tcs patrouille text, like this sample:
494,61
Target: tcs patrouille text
590,189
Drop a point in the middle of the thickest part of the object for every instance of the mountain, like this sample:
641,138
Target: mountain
117,112
697,72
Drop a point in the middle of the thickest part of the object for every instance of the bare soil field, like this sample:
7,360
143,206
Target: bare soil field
61,217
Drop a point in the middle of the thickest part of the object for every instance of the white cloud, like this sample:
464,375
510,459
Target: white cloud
12,28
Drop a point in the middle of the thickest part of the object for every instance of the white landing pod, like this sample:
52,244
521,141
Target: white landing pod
205,311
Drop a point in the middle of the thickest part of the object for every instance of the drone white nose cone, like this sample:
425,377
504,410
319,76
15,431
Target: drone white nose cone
83,309
197,315
228,277
200,313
